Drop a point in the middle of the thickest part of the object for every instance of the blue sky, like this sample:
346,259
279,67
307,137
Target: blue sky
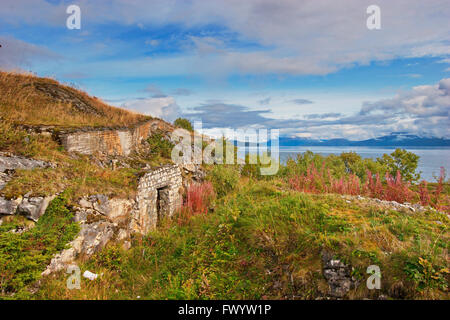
310,68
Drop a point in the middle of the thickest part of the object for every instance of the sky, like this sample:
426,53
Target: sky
312,69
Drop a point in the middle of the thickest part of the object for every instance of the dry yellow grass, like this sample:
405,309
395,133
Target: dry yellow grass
27,99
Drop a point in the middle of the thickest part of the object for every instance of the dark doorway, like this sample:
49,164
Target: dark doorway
162,203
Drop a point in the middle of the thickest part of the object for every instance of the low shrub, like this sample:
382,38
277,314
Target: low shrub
159,145
23,256
224,179
198,200
183,123
390,188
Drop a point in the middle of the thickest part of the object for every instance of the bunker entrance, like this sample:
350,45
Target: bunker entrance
162,203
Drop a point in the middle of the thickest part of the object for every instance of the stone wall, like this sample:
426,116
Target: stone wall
117,142
158,195
103,220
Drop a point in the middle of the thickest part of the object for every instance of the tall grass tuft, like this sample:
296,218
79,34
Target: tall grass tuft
199,197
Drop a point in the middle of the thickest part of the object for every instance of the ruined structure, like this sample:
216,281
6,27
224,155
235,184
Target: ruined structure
103,220
159,195
109,141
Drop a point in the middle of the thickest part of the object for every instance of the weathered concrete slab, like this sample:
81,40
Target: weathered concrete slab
116,142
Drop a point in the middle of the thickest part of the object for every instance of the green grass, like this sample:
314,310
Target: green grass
263,242
24,256
21,101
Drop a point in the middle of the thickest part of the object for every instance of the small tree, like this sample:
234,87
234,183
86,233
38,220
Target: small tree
350,159
403,161
183,123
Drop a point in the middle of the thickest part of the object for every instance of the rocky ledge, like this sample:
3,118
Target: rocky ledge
338,275
385,204
9,163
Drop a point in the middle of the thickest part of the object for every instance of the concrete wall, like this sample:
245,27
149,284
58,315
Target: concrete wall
110,141
169,180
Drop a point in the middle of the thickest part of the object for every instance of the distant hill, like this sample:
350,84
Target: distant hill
395,139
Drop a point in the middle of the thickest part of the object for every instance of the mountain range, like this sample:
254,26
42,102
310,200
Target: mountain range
395,139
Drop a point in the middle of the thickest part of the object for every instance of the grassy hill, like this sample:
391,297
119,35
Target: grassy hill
29,100
239,235
264,241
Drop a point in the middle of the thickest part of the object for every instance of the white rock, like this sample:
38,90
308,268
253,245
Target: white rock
89,275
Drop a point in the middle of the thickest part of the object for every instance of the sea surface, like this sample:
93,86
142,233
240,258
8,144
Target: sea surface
430,161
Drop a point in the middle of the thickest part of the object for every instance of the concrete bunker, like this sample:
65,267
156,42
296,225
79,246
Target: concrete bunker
158,197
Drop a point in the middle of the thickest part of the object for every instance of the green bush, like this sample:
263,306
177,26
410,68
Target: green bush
24,256
403,161
253,170
110,257
352,163
426,274
183,123
159,145
224,179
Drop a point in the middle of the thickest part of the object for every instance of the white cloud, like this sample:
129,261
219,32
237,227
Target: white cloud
424,110
16,54
294,37
152,42
161,107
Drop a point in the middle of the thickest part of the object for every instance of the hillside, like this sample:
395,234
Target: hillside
35,116
30,100
87,184
264,241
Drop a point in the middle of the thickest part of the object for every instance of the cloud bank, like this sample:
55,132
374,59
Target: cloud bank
160,107
18,55
424,110
287,37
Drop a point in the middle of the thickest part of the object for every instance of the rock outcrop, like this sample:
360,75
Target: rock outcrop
391,205
102,220
92,238
114,210
9,163
30,207
338,275
13,162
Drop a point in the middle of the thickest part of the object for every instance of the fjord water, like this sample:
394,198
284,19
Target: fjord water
430,161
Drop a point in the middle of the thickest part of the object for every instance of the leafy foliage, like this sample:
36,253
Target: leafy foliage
390,188
427,275
225,178
23,256
403,161
198,200
183,123
159,145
